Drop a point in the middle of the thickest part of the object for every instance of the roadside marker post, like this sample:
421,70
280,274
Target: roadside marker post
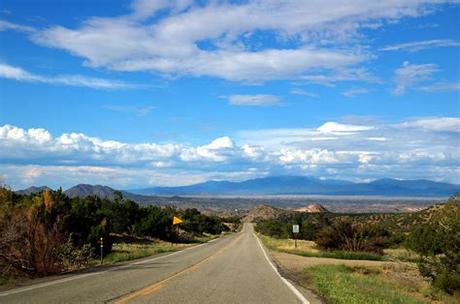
176,222
295,231
102,250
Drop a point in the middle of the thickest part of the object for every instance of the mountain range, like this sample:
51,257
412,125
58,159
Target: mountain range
275,185
285,185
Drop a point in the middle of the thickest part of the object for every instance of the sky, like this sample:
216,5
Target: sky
140,93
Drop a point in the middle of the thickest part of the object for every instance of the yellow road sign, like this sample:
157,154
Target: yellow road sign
177,220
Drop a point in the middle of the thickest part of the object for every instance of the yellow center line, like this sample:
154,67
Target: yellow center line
158,285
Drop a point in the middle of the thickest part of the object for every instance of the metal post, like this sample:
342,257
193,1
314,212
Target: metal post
102,250
295,240
177,234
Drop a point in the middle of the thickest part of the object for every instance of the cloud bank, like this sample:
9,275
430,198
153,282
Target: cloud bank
426,147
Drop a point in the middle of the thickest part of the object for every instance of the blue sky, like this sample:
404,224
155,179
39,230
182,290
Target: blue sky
154,92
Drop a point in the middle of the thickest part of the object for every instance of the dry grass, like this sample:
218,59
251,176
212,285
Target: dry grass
289,244
400,254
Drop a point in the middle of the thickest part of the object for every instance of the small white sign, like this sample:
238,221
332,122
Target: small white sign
295,228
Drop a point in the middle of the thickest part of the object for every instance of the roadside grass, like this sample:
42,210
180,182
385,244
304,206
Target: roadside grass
308,249
6,279
398,283
401,254
130,251
340,284
205,238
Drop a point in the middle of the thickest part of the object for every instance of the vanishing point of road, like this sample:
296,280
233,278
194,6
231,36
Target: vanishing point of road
231,269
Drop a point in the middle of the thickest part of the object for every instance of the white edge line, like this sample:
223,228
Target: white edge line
81,276
298,294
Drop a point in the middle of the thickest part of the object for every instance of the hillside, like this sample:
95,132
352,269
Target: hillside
283,185
264,212
32,190
83,190
313,208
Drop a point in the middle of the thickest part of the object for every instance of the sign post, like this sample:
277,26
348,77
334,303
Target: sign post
102,249
176,222
295,231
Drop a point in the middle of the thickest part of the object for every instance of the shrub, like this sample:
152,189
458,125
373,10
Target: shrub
73,257
438,244
344,235
273,228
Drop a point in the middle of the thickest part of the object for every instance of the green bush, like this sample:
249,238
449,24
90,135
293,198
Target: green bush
344,235
438,244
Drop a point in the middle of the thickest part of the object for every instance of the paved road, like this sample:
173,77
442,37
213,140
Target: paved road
234,269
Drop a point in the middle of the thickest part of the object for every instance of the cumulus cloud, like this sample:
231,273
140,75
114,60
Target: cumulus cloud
409,74
421,45
169,37
254,100
19,74
426,147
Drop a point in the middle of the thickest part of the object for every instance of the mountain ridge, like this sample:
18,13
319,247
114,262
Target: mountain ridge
305,185
274,185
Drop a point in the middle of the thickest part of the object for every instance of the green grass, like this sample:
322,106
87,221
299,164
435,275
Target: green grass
401,254
340,284
204,238
308,249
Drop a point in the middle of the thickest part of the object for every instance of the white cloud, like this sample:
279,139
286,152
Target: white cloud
426,147
5,25
409,74
342,129
170,42
32,173
311,157
254,100
138,110
440,87
420,45
147,8
339,75
377,138
19,74
297,91
447,124
355,91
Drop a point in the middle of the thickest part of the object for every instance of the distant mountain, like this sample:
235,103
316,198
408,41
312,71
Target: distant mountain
309,185
83,190
32,190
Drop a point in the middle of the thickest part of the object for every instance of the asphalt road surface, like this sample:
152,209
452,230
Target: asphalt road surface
233,269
